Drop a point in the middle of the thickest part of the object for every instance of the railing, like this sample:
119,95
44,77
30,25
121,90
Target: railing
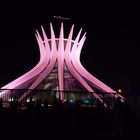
70,97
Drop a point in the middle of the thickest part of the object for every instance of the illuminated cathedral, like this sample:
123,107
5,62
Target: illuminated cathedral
59,69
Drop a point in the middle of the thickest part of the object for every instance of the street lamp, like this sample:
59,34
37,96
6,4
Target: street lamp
120,91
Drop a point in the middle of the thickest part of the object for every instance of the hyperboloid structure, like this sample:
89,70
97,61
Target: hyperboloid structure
59,69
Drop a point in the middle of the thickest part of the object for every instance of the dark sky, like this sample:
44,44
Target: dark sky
111,51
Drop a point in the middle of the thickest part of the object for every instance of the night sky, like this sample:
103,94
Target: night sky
111,51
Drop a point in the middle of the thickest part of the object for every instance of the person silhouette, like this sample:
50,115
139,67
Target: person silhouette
119,118
14,104
99,109
1,103
31,104
46,104
38,105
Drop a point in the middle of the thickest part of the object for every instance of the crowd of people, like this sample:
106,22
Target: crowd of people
119,107
120,114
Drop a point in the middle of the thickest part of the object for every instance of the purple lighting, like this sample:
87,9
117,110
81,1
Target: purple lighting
59,53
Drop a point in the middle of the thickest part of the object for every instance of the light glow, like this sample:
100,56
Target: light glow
119,90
